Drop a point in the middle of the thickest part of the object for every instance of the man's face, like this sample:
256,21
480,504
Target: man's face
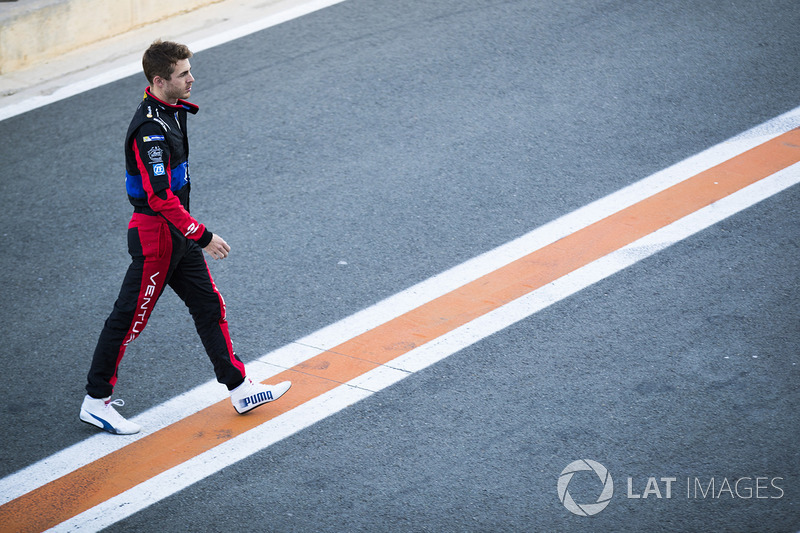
179,85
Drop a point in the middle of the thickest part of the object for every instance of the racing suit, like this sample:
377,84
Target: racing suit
165,243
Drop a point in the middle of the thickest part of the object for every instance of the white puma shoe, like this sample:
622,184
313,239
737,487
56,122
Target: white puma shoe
250,395
101,413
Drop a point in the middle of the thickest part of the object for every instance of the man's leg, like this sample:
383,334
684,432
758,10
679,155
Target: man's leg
193,283
111,344
150,248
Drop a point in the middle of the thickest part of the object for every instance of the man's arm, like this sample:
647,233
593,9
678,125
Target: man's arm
153,161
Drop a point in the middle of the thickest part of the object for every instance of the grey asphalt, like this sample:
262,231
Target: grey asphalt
402,139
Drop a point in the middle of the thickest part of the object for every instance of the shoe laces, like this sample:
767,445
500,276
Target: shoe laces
119,402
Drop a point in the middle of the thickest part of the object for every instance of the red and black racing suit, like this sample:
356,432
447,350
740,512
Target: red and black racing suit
165,243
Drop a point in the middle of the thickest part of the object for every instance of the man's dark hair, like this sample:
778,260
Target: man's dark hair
160,58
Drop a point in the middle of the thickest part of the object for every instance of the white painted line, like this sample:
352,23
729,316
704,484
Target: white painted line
292,11
209,393
214,460
275,430
285,15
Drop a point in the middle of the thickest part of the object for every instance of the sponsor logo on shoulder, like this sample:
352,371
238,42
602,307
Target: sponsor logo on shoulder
152,138
155,153
158,169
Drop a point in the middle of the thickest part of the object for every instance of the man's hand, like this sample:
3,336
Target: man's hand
217,248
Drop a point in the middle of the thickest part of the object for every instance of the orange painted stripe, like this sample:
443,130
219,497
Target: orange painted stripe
127,467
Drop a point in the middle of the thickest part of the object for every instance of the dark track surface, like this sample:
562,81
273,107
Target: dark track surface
403,139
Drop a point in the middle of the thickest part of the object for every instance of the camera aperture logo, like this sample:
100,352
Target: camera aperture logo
585,509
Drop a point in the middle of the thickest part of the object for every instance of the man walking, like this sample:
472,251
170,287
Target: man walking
166,246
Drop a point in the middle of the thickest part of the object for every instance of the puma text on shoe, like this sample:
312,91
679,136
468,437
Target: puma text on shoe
261,397
101,413
249,395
